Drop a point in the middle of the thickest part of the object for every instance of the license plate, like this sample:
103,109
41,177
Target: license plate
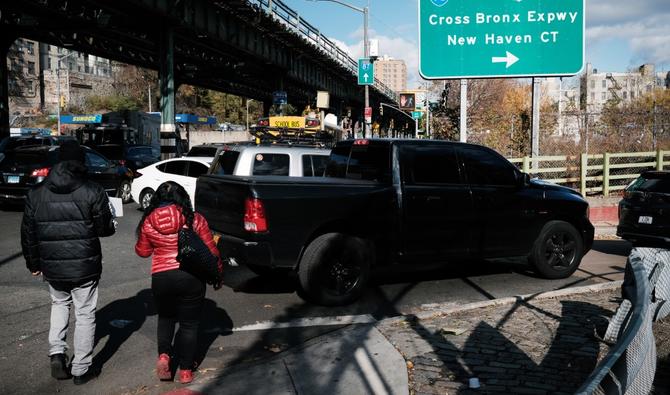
645,220
13,179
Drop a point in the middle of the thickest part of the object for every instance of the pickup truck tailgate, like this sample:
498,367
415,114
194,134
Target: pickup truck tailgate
222,203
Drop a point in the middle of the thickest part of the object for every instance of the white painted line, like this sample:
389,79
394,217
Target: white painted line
305,322
369,372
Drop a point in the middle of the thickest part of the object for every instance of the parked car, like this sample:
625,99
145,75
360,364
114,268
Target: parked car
644,211
384,201
133,156
270,160
183,171
25,166
9,143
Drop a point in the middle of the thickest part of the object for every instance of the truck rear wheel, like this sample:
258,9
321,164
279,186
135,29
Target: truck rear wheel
557,251
335,269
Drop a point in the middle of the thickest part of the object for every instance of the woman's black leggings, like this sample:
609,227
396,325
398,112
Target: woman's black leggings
179,297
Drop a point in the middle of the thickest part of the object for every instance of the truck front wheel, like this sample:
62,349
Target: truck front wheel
557,251
335,269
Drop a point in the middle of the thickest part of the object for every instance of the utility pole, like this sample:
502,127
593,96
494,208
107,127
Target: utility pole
535,132
58,102
464,111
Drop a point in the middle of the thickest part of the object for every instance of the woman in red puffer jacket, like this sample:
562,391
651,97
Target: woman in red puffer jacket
178,295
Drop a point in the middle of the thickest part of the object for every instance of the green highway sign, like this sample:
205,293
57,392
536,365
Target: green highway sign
500,38
417,114
366,72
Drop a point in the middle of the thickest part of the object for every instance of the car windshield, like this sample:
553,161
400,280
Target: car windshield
656,183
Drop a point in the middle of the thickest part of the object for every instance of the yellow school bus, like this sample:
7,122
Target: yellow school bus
296,129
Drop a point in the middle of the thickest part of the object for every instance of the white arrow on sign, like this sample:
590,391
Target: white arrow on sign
365,77
509,58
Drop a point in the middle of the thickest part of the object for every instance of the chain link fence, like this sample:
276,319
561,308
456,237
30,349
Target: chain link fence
630,365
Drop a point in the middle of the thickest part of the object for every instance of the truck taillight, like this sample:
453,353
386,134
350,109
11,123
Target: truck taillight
313,123
254,216
43,172
362,142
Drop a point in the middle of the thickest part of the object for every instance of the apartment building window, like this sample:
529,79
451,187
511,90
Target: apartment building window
31,68
31,48
648,88
632,95
593,96
625,95
593,84
49,63
603,96
30,88
604,83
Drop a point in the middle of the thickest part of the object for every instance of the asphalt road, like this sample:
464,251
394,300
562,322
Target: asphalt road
240,320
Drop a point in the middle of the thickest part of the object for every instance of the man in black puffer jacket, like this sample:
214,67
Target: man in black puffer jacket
63,218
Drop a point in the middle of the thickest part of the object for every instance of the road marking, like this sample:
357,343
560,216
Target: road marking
306,322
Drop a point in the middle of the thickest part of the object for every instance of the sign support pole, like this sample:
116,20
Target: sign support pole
535,132
464,111
366,46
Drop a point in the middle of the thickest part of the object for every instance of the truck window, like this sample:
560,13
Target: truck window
225,163
366,162
431,165
314,165
485,168
270,165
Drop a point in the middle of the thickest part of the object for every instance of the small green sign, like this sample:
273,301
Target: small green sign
417,114
366,72
500,38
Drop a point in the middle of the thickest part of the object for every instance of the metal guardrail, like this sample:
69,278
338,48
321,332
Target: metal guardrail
292,20
602,173
630,365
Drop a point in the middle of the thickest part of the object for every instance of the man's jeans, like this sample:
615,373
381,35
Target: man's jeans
85,298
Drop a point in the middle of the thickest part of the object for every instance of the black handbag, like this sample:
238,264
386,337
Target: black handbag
194,257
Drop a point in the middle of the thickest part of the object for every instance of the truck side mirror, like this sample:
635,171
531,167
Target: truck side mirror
523,179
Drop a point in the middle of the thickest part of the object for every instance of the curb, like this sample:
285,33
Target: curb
511,300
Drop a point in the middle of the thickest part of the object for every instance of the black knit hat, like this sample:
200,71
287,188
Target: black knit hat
71,150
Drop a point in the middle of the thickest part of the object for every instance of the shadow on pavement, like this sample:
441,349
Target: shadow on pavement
215,322
10,258
118,320
504,355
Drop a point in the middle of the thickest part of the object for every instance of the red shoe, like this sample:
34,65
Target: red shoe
185,376
163,367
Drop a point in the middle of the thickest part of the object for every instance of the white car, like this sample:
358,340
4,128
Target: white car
184,171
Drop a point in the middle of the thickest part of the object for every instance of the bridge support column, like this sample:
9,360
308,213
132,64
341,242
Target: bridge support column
6,42
170,143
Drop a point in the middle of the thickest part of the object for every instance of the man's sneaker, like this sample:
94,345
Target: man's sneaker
86,377
59,367
185,376
163,367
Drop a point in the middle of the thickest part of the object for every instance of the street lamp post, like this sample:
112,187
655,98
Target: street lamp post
366,47
58,86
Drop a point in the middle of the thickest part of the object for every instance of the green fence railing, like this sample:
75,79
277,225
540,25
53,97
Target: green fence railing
594,173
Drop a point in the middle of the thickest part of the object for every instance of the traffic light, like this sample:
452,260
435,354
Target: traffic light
381,110
62,101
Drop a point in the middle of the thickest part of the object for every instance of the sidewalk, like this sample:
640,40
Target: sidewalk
537,344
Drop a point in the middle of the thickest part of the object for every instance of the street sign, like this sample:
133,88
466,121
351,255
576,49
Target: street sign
500,38
366,72
417,114
368,114
279,97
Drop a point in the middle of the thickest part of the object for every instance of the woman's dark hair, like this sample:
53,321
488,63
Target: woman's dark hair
169,192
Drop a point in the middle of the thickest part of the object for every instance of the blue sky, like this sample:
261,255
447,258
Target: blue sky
620,34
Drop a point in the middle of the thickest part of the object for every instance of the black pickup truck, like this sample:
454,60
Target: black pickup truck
388,201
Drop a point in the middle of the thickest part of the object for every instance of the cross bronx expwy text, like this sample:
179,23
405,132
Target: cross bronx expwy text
482,18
